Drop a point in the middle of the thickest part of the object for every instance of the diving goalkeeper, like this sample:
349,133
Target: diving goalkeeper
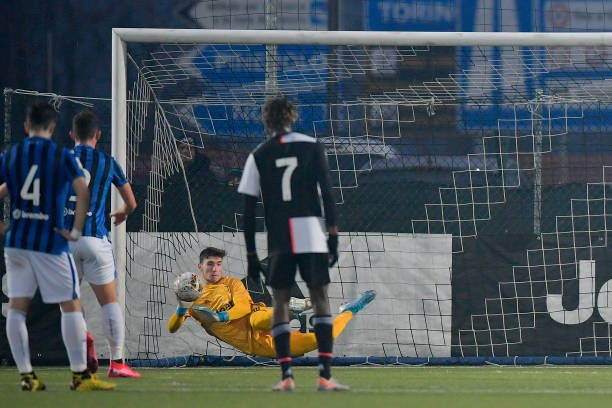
226,311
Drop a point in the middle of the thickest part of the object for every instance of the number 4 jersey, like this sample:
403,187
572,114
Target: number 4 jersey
292,174
38,174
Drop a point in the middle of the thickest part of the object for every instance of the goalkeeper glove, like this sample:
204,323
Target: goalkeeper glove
254,267
210,315
183,307
332,245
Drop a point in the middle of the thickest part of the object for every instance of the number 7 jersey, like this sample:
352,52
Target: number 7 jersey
38,174
292,173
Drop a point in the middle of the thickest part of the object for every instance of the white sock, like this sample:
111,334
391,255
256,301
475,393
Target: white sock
74,335
18,339
114,329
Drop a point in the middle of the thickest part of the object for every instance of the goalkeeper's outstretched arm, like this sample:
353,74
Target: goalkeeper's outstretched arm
175,322
178,317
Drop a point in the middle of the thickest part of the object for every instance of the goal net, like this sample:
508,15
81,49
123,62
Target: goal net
442,146
470,171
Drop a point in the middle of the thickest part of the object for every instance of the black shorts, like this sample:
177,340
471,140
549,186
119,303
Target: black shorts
314,270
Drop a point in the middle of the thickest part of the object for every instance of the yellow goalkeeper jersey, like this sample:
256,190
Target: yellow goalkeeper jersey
248,327
230,295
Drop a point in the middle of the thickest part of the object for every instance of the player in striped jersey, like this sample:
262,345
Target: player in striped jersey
93,253
38,175
291,172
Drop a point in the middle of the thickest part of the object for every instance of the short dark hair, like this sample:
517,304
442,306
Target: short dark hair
211,251
278,114
40,115
85,124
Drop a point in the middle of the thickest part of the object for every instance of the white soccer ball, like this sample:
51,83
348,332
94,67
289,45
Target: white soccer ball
188,286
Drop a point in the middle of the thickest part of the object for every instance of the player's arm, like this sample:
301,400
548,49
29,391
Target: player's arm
3,191
249,186
329,203
4,226
176,321
179,316
126,193
242,300
3,194
250,204
81,191
129,204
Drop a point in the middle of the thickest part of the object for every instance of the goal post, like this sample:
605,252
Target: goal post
443,147
119,151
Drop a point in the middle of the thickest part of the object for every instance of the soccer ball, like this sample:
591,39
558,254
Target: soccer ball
188,287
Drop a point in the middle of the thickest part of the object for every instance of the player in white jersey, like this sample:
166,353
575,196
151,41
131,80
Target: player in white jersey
290,171
38,174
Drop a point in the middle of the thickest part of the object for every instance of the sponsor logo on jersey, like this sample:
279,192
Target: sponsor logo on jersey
17,214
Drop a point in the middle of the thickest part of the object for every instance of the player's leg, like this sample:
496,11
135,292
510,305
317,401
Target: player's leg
17,334
74,334
62,287
358,304
99,270
315,272
323,327
92,357
302,343
114,329
22,285
282,276
281,332
261,318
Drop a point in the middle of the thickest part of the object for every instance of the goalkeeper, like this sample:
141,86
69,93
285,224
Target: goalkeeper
226,311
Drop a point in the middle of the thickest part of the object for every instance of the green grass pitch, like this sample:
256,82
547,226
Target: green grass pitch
372,387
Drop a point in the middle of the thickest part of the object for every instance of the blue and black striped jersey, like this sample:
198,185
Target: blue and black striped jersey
101,170
39,175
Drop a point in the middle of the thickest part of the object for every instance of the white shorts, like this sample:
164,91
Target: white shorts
54,275
94,260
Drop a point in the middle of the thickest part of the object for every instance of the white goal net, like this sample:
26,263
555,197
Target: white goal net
433,139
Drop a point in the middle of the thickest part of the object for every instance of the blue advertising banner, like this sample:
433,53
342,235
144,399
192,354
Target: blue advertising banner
411,15
237,73
561,72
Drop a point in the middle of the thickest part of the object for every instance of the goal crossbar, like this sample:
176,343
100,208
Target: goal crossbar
389,38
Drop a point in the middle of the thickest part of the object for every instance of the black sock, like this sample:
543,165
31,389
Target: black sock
281,334
323,326
84,374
